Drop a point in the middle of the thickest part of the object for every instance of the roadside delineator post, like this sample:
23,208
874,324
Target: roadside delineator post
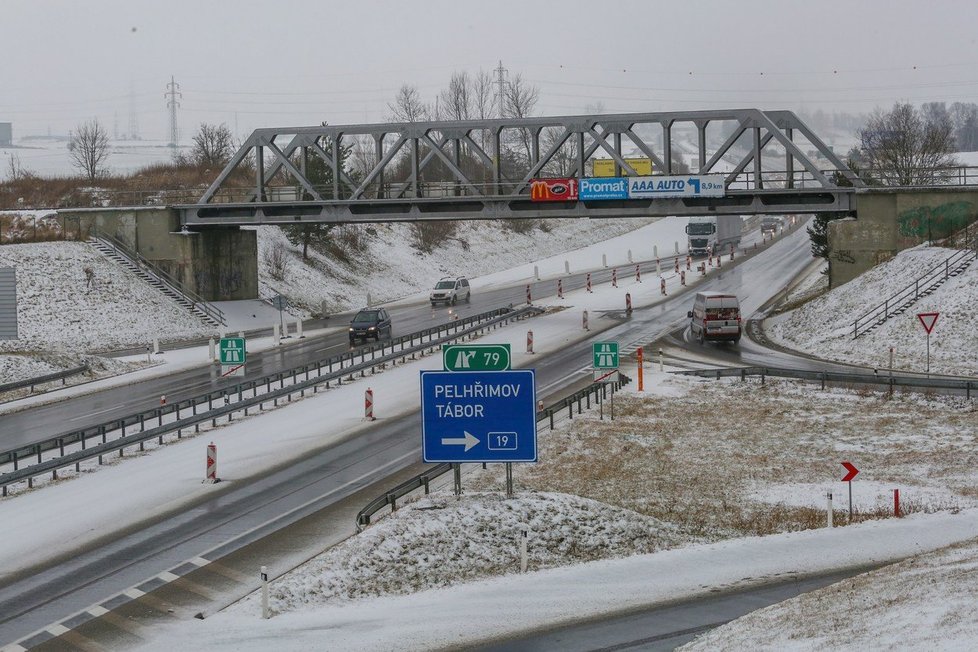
211,350
528,299
156,345
162,400
298,329
630,256
589,282
638,274
658,266
682,278
614,277
604,260
896,503
628,303
529,341
276,334
828,498
662,286
536,272
211,472
368,405
566,267
710,260
524,532
641,370
585,321
662,363
689,262
560,289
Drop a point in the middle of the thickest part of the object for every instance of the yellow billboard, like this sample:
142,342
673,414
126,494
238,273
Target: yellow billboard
605,167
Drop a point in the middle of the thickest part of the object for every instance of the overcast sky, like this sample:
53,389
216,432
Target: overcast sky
292,62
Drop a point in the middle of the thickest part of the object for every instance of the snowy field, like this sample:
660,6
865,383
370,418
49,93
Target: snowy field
823,326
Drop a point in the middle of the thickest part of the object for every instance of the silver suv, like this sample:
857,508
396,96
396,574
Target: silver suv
450,290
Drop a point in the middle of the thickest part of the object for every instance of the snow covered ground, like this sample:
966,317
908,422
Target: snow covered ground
823,326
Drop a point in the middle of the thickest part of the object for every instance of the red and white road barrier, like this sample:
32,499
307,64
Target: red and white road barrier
689,263
731,252
584,321
529,341
368,405
560,289
719,259
682,277
638,274
614,277
589,282
703,269
162,400
528,299
662,286
628,303
677,263
211,471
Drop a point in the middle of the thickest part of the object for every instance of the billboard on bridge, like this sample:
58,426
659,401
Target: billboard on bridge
706,185
605,167
604,189
553,190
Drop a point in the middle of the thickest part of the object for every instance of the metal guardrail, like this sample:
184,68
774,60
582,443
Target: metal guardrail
173,284
891,381
40,380
423,480
344,364
923,285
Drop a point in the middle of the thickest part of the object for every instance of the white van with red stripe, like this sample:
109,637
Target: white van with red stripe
715,317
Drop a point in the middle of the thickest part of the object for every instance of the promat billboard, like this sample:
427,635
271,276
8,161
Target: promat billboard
603,189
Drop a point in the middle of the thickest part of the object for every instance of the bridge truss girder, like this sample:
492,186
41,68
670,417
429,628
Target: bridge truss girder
480,176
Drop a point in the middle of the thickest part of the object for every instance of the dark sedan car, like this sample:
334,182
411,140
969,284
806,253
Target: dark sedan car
370,323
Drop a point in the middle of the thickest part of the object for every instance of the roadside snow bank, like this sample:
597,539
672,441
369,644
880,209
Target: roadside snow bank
824,326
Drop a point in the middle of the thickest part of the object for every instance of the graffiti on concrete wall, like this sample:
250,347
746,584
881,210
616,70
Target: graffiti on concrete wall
933,222
844,256
222,284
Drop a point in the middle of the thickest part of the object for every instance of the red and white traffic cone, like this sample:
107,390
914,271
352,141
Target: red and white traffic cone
662,286
614,277
585,321
628,303
560,289
210,474
682,277
528,299
162,400
368,405
638,274
589,282
529,341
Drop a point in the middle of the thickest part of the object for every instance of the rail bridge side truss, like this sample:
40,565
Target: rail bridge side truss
771,161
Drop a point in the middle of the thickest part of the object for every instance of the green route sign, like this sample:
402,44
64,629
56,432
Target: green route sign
233,351
476,357
605,355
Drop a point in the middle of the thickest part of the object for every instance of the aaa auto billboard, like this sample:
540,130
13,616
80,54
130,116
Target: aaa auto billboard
553,190
708,185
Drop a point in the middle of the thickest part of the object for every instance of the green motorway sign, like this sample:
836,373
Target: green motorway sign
476,357
605,355
233,351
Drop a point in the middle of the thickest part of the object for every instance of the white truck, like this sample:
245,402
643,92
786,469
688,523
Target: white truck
713,234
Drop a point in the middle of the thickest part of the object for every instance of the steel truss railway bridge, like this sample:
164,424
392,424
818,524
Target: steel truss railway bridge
771,162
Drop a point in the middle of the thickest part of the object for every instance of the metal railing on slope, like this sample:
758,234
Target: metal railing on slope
551,414
344,364
174,285
40,380
930,280
890,381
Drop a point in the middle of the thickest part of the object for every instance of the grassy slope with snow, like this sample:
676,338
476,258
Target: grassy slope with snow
823,327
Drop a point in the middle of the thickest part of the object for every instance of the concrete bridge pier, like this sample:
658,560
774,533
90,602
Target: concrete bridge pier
217,263
890,220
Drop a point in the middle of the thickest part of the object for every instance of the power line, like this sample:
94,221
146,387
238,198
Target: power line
171,96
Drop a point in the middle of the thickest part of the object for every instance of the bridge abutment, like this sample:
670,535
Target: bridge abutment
889,221
217,263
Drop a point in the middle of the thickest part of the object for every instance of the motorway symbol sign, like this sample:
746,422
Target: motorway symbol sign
928,320
233,351
478,416
605,355
852,471
476,357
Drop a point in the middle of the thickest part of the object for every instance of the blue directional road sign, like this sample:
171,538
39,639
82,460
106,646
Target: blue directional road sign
478,416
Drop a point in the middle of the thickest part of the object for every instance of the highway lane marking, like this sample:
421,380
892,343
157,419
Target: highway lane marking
199,561
167,576
97,610
133,593
57,629
92,414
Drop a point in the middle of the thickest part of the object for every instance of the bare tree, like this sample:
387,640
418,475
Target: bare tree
520,98
89,148
213,146
456,100
483,95
905,147
407,106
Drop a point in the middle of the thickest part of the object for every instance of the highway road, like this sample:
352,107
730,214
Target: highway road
321,483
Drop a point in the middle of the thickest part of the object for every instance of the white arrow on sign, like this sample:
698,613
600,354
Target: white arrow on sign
469,440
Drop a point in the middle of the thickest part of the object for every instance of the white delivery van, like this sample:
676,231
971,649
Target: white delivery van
715,316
